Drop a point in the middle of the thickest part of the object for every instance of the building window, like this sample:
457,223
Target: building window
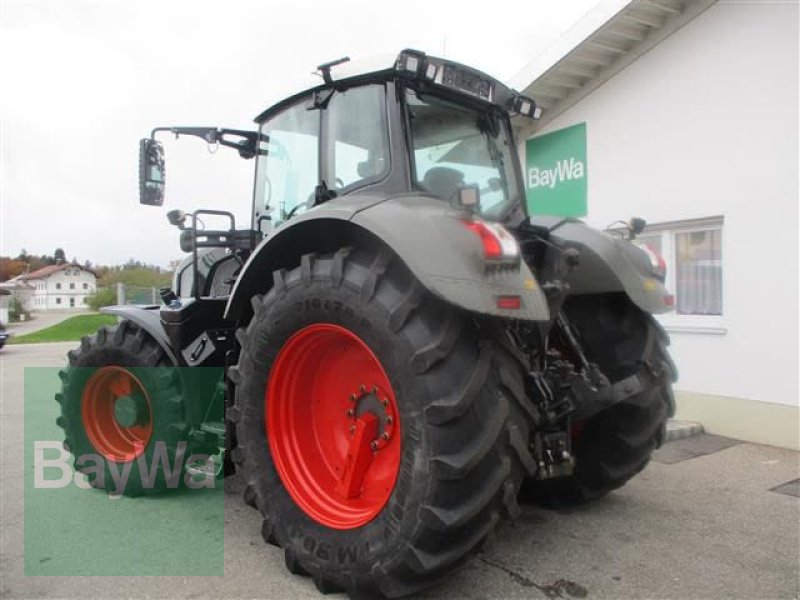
72,302
86,286
698,265
693,252
72,286
58,300
58,286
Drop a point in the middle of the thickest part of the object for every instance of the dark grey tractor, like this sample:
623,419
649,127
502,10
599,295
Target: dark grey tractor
401,350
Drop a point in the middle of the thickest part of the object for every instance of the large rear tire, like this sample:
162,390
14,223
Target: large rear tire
617,444
445,475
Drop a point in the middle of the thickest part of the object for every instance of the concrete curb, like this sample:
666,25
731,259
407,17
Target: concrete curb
677,430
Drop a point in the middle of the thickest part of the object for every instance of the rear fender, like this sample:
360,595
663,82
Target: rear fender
424,232
448,260
609,264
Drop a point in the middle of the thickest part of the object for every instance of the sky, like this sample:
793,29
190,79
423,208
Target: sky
83,80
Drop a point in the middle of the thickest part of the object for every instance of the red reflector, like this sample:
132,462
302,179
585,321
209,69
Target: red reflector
669,300
491,245
509,302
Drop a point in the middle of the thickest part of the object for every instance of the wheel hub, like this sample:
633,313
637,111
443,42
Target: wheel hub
370,399
130,410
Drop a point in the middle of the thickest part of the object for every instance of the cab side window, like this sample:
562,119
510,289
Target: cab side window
358,144
289,170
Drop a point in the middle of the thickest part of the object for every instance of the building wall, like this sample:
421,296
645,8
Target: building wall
69,284
706,124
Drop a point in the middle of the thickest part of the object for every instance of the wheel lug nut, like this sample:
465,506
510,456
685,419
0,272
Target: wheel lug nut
389,420
386,402
374,445
350,412
374,389
352,397
352,429
385,435
363,388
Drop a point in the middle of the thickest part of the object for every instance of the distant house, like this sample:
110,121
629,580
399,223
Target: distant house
5,296
53,287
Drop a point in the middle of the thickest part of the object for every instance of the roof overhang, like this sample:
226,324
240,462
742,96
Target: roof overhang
608,39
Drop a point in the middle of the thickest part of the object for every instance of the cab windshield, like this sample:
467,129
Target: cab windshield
455,146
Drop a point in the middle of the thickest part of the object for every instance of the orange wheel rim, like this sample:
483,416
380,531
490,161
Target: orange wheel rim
333,426
117,415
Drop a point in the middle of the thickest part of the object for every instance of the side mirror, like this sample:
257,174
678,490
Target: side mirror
177,218
151,172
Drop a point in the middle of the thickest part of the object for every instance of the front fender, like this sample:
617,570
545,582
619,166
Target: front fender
149,320
424,232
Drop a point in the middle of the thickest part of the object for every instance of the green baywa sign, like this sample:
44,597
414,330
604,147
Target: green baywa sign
555,172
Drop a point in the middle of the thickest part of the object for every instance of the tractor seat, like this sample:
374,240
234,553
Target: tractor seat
443,182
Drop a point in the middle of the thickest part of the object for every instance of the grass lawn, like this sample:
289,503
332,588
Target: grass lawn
70,330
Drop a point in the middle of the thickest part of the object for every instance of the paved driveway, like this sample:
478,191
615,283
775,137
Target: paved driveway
700,522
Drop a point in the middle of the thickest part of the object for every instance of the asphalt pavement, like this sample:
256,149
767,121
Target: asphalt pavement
709,518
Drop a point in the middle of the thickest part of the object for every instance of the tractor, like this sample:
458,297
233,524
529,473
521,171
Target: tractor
402,352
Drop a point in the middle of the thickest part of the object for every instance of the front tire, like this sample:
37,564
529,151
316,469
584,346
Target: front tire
454,397
121,409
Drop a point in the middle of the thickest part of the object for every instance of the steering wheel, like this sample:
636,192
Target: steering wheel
307,204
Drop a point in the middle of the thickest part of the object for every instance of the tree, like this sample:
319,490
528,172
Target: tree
100,298
11,267
60,255
16,310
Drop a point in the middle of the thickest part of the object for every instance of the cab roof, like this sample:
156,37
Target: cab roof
414,65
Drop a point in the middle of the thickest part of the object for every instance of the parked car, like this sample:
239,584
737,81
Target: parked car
4,334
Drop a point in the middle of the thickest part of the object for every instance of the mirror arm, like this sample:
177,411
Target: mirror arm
247,145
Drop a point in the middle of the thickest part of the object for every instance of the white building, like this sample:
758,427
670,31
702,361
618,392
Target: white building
690,113
54,287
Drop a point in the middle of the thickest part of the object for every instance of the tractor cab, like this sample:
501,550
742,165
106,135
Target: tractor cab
422,126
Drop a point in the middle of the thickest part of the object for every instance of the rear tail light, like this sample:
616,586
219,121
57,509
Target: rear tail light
656,260
498,244
509,302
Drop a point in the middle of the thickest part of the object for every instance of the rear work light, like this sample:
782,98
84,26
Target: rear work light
498,244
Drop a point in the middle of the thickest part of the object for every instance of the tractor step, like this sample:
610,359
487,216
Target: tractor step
212,467
209,438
